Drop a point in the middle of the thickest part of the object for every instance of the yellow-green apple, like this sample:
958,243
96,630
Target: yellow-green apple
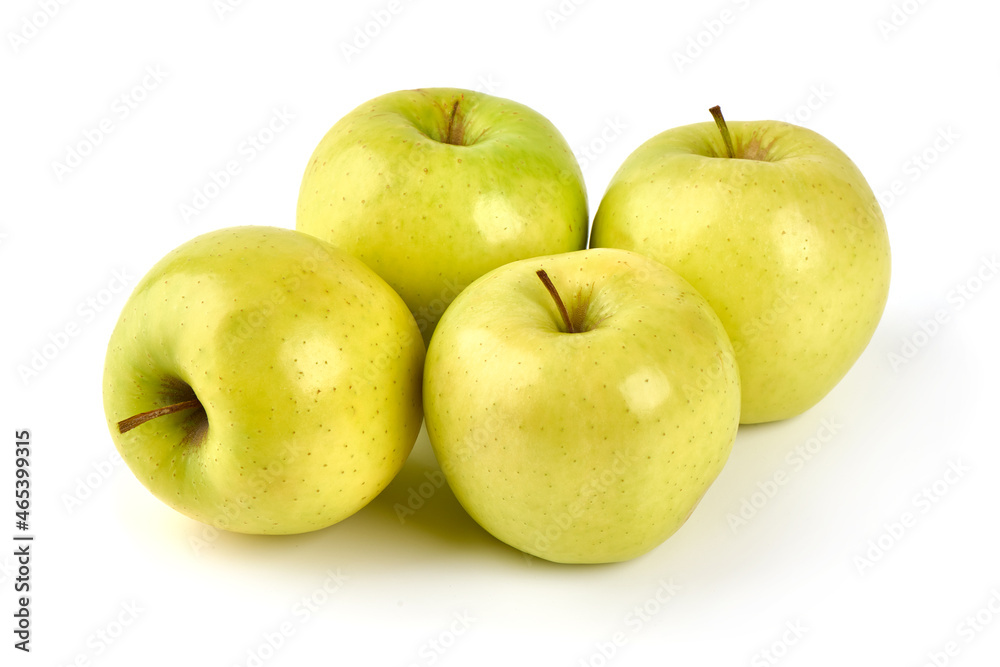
777,228
262,381
432,188
581,404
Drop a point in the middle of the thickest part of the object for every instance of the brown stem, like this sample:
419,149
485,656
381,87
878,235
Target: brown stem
723,129
456,130
544,277
126,425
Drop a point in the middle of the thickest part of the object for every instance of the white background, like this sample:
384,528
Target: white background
436,589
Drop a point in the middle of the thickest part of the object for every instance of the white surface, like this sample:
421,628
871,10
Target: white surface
606,76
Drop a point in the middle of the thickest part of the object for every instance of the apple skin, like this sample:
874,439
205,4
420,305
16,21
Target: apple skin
791,250
430,216
588,447
307,365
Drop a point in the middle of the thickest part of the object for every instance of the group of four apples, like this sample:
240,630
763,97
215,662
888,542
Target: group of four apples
579,402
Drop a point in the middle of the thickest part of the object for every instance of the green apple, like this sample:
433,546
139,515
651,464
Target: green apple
432,188
778,229
581,404
262,381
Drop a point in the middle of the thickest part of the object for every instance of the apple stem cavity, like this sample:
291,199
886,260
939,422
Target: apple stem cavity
554,293
126,425
723,130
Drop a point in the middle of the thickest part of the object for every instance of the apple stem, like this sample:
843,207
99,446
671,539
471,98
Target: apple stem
126,425
544,277
455,130
723,129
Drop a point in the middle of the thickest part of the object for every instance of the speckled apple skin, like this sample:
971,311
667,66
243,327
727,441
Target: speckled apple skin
431,217
589,447
791,251
308,367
